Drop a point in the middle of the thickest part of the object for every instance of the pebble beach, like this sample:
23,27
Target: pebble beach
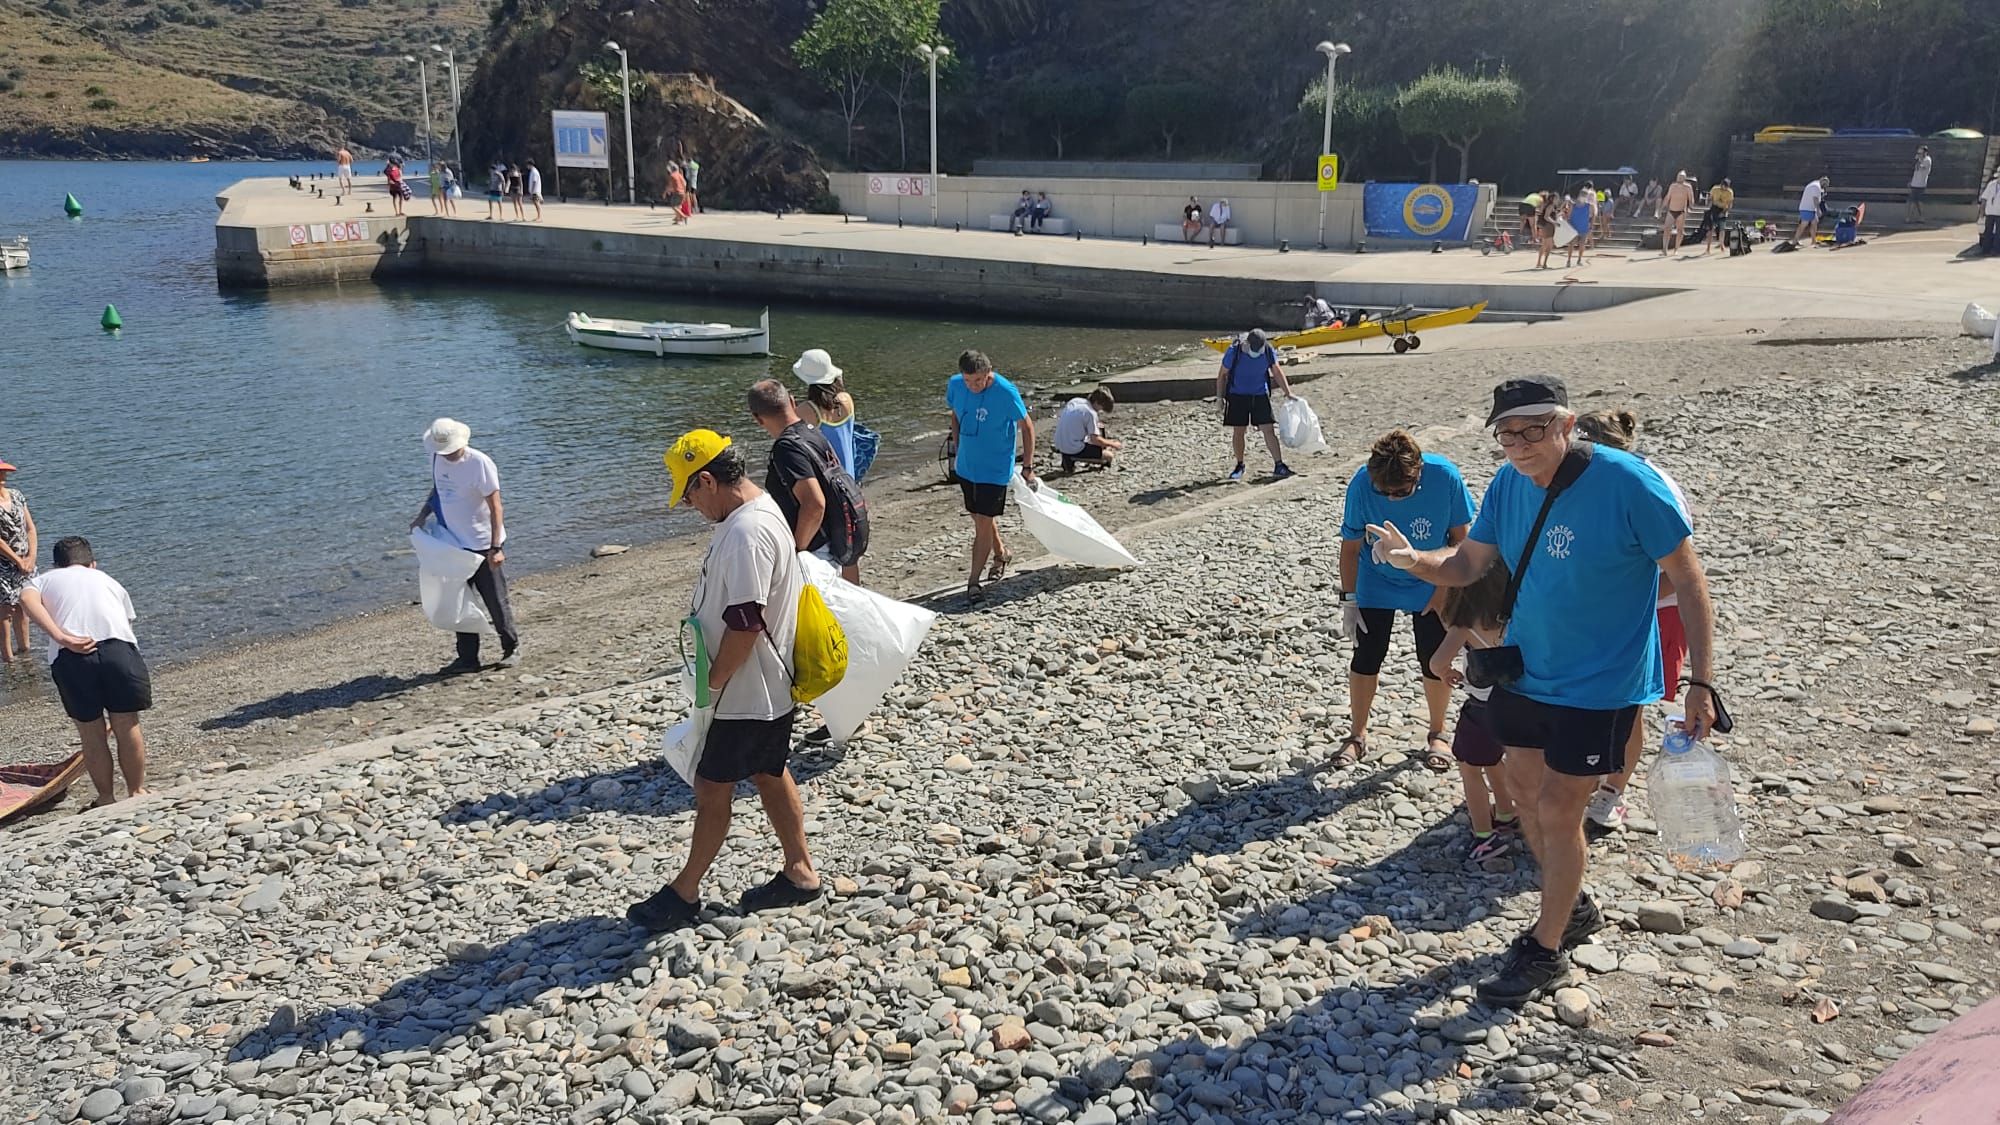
1088,861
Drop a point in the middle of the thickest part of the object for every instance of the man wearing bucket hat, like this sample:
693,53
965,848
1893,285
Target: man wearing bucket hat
746,603
1586,531
1243,384
465,498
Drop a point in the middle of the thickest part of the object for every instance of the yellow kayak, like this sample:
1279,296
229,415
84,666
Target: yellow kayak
1405,330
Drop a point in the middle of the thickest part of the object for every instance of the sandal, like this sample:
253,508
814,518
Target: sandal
997,570
974,591
1435,760
1350,752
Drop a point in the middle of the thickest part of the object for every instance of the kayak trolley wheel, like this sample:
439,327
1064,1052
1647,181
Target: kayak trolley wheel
1402,345
1416,342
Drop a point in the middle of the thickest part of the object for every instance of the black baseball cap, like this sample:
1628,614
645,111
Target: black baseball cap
1527,395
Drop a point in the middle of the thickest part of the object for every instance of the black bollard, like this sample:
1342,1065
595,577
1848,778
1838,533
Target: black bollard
1079,236
368,208
1284,246
899,222
955,228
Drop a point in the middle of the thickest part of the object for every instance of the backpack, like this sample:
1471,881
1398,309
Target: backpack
846,522
819,648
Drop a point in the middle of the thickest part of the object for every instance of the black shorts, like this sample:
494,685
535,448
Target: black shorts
1472,741
1372,647
1573,740
1248,410
984,499
1917,193
114,679
1087,453
736,749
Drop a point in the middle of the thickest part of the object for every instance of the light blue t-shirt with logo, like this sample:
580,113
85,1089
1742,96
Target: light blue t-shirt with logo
986,422
1585,618
1440,503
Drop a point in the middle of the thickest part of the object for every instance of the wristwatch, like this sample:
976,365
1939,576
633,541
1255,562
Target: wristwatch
1346,596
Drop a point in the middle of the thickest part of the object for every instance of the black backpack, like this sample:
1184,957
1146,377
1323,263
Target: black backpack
846,523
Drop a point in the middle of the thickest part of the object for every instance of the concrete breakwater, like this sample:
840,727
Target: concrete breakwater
269,235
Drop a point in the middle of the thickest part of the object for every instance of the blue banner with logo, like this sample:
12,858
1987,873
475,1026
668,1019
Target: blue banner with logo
1426,211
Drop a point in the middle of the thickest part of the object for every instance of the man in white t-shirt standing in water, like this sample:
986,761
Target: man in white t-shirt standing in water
746,602
95,662
465,498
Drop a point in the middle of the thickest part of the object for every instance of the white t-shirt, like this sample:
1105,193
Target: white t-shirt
1922,176
1809,200
1219,214
1991,196
462,488
85,602
751,559
534,181
1075,425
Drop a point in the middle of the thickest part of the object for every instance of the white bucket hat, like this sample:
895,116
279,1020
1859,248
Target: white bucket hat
447,436
815,368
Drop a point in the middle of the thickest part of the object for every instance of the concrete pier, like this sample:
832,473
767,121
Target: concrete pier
269,234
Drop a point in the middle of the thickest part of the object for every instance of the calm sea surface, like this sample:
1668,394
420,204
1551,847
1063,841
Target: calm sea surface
247,463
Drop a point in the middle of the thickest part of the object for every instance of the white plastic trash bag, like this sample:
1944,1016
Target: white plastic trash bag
1978,322
883,635
1066,529
683,742
1298,426
444,570
1565,234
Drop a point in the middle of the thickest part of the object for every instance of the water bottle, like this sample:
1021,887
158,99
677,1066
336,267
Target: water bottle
1694,803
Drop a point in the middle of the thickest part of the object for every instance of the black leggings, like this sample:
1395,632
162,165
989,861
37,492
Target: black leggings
1371,647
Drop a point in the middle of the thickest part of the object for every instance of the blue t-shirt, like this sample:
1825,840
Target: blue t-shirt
1585,618
1249,374
1440,503
985,428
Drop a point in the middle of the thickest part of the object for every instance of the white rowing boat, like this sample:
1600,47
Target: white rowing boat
14,255
664,338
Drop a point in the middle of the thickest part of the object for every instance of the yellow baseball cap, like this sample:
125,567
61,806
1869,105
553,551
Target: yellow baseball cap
690,455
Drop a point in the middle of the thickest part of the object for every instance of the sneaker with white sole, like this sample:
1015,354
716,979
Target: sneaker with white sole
1607,809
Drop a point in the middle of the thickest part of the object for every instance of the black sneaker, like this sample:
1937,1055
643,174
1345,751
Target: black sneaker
778,894
665,911
1528,971
460,667
818,737
1585,919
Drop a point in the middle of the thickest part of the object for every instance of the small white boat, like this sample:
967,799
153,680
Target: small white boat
14,255
664,338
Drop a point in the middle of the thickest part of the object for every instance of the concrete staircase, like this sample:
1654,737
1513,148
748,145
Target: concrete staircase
1627,231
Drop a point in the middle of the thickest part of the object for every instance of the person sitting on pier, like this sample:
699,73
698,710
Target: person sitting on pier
1218,221
1040,210
1024,208
1191,219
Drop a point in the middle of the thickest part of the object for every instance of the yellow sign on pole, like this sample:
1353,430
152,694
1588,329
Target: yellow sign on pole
1329,172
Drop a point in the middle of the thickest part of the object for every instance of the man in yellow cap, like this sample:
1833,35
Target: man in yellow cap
747,603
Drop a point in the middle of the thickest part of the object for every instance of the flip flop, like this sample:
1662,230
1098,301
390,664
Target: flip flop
1435,760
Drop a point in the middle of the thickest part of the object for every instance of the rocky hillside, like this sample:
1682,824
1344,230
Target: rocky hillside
164,78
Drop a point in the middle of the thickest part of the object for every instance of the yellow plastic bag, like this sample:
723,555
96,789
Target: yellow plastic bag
819,648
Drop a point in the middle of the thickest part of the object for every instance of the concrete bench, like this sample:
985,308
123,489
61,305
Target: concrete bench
1171,232
1050,225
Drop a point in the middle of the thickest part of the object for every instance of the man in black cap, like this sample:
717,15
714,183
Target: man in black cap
1243,383
1587,531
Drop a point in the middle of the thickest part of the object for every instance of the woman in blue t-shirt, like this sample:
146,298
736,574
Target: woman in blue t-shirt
1425,495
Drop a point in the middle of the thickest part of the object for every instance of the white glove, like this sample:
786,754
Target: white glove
1352,624
1392,546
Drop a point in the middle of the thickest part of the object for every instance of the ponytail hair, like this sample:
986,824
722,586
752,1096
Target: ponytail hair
1618,429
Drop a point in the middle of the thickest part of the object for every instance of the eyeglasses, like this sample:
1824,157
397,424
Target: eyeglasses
1399,494
1526,435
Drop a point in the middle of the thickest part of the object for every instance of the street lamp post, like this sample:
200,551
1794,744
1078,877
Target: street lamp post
424,80
625,75
931,55
1332,51
457,137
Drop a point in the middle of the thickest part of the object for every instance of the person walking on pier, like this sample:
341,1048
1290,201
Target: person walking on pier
534,186
496,190
1679,201
1920,182
986,412
1243,384
343,169
1989,213
1721,201
465,498
693,170
1589,533
516,187
746,603
95,662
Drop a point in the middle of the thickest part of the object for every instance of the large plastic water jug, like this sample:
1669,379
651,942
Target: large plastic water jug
1693,802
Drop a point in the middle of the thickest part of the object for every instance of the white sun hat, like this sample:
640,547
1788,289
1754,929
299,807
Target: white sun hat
815,368
447,436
